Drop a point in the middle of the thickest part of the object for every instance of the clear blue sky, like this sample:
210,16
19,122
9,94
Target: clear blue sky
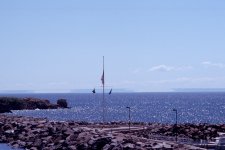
149,45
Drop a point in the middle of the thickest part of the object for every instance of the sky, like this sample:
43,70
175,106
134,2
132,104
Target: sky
148,45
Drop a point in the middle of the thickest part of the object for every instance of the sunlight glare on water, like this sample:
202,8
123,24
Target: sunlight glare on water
145,107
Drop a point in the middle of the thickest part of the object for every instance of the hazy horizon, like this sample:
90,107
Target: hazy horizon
149,46
99,91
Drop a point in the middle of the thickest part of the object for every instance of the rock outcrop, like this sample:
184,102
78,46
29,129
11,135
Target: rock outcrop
62,103
12,103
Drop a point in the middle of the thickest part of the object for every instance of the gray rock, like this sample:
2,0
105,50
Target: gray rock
37,143
9,131
33,148
91,142
72,147
139,144
118,147
100,143
106,147
129,146
71,138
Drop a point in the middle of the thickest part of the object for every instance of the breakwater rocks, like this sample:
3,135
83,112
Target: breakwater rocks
12,103
195,132
41,134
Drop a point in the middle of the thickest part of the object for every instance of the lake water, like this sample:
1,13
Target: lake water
145,107
5,147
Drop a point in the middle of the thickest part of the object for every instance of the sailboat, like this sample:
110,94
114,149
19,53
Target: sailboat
110,92
93,91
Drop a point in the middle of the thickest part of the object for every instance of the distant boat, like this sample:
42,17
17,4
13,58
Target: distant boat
93,91
110,92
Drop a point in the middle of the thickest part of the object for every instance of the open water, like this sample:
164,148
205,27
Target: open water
145,107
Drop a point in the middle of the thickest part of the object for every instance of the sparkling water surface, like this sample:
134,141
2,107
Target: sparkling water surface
145,107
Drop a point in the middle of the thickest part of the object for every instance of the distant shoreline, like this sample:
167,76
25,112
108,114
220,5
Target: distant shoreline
2,93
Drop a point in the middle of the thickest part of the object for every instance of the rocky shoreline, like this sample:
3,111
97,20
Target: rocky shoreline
195,132
42,134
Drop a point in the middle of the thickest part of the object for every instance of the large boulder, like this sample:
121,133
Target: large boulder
62,103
